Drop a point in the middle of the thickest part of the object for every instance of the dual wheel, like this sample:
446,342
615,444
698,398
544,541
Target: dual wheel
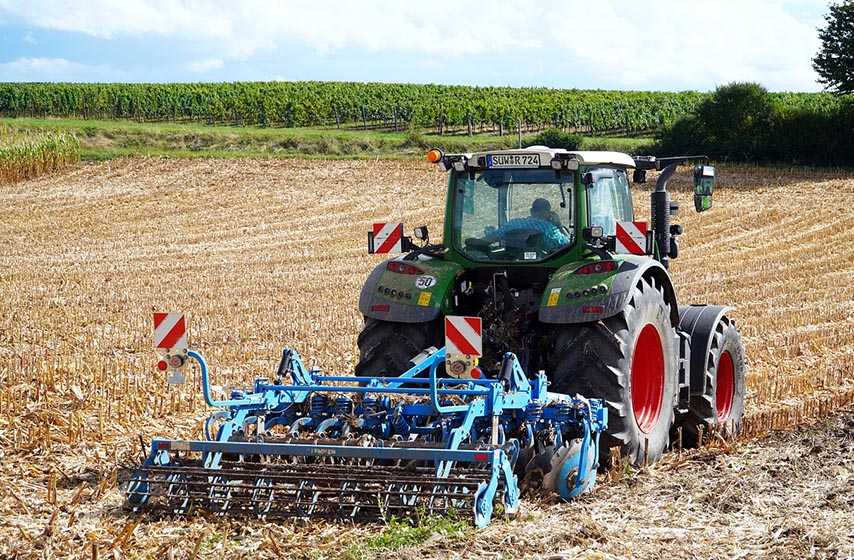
631,360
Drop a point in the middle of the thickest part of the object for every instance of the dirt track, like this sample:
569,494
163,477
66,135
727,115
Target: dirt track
263,254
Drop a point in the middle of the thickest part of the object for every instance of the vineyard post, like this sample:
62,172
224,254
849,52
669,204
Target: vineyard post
519,131
364,119
337,119
394,114
468,120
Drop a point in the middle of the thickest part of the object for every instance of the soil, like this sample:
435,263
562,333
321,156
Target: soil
267,253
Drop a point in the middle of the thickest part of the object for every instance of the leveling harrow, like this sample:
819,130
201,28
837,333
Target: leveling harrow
308,445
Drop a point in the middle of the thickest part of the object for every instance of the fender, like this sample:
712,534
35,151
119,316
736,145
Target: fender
409,291
581,298
700,322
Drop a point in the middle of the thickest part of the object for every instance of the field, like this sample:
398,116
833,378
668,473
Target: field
264,253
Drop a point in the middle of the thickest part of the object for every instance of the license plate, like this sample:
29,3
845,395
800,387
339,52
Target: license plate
513,160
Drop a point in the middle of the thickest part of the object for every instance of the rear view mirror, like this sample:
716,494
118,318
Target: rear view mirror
704,184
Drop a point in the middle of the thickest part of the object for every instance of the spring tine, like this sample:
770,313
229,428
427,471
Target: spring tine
303,490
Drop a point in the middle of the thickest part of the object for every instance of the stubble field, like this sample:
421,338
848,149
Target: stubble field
262,254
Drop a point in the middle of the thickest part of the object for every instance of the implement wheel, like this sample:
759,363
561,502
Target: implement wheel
629,360
386,347
720,405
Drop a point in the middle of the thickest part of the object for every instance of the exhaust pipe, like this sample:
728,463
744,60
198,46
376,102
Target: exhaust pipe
660,212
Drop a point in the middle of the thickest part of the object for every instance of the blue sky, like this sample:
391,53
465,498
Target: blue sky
590,44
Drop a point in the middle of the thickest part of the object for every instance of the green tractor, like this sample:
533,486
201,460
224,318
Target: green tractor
543,246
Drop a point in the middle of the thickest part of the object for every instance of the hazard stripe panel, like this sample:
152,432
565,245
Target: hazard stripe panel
170,331
631,238
463,335
388,237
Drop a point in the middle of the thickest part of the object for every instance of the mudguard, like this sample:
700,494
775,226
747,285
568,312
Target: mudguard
580,298
417,294
699,322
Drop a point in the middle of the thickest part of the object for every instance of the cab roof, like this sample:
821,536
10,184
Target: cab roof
616,159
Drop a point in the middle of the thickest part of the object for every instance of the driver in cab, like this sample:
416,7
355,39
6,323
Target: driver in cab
541,221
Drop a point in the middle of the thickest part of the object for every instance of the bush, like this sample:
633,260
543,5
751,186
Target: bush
741,122
732,124
556,138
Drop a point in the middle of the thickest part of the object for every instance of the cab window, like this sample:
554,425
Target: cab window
495,218
609,198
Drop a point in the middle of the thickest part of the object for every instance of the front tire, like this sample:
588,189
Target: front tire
385,347
629,360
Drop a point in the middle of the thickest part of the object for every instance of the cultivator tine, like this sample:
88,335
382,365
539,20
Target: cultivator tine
316,490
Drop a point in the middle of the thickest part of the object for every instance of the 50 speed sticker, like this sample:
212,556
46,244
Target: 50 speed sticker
425,281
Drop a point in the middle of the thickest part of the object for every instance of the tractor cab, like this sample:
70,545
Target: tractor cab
534,204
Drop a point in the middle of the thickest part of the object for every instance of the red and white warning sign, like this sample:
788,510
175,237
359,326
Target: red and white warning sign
170,331
388,238
631,238
463,335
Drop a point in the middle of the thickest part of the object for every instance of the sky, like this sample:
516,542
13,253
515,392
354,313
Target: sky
662,45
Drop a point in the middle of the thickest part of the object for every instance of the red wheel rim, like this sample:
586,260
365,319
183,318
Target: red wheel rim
647,378
725,389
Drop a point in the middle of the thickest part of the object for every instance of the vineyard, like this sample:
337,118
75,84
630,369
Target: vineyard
262,254
446,109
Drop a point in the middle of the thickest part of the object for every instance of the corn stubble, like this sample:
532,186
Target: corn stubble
262,254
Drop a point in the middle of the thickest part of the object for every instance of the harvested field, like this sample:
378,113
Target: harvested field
262,254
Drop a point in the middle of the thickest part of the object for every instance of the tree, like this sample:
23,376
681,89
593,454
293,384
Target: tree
733,123
835,60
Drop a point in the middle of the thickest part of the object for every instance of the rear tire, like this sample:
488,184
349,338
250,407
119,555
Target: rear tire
629,360
385,347
721,405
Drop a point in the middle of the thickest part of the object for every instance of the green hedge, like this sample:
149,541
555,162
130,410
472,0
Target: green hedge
742,122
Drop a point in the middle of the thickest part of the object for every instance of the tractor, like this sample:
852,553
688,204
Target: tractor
544,246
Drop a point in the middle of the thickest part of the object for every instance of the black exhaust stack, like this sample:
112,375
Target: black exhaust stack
662,209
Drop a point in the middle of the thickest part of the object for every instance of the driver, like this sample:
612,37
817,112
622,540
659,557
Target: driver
540,221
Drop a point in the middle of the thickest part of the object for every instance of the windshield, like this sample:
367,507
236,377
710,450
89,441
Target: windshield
513,214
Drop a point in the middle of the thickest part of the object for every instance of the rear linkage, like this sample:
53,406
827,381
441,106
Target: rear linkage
310,445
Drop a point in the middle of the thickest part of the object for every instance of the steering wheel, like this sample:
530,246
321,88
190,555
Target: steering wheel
521,241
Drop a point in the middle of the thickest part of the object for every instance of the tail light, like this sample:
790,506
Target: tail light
403,268
598,267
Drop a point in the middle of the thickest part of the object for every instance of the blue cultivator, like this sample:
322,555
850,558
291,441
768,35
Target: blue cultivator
307,445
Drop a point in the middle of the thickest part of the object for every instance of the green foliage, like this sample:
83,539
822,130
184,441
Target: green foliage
743,122
814,137
28,154
834,62
555,138
736,121
101,140
333,104
400,533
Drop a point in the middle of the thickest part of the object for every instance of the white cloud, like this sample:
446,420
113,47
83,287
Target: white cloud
108,18
51,69
205,65
28,38
660,44
641,45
